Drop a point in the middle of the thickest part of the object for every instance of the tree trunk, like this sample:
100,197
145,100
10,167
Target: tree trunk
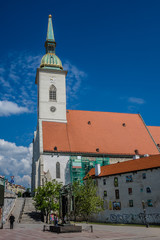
42,216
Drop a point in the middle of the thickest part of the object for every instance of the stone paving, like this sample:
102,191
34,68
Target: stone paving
35,232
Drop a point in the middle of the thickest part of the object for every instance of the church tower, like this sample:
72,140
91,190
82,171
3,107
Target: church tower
51,107
51,82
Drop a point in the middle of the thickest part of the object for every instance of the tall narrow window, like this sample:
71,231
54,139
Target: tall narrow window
117,194
57,170
116,182
105,193
52,93
144,175
131,203
129,191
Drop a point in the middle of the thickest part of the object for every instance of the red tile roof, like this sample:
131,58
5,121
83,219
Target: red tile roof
155,132
128,166
98,133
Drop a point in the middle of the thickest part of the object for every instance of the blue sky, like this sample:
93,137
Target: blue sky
111,50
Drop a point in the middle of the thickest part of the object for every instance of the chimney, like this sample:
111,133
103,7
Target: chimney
146,155
97,169
136,157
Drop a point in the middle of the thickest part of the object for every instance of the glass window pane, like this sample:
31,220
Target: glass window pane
57,170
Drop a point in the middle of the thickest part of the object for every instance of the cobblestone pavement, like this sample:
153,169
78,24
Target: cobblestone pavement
35,232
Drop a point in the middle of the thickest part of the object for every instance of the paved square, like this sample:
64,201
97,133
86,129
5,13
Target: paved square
35,231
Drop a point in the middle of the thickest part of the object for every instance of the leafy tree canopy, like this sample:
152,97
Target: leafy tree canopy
86,200
47,197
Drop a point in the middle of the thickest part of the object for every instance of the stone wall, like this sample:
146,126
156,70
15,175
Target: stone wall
9,202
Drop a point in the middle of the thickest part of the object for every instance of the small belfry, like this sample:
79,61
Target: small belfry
50,60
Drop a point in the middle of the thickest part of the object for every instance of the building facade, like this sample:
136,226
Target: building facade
127,188
69,140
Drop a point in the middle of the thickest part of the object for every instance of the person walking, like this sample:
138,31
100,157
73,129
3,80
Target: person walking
11,219
55,220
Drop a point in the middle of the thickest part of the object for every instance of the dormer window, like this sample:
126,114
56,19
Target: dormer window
52,93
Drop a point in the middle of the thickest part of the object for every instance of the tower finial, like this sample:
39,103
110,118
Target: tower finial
50,33
50,60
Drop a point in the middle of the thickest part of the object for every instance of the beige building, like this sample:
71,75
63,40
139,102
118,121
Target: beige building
14,188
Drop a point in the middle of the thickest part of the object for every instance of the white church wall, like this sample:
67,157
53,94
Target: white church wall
50,164
36,154
37,177
46,79
36,146
113,160
40,137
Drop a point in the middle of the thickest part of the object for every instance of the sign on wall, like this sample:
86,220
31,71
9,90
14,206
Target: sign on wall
116,206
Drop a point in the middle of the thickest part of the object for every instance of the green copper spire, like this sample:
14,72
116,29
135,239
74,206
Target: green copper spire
50,60
50,43
50,33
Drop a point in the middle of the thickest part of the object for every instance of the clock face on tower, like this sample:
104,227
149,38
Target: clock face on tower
52,109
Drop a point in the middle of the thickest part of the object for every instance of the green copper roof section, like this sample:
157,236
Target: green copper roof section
50,60
50,33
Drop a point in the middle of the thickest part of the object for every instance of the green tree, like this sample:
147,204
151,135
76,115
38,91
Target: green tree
47,198
76,191
19,194
86,200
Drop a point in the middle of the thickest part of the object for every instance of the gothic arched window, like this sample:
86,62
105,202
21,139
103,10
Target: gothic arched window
57,170
52,93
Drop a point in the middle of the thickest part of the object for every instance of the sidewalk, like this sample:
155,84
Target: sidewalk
35,232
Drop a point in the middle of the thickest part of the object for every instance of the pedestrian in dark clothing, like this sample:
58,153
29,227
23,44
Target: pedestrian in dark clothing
55,220
11,219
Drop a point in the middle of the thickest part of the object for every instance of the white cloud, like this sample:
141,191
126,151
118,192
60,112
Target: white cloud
24,180
18,78
136,100
16,161
14,77
3,82
8,108
74,79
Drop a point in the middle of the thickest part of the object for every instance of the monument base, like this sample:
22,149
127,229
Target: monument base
64,228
